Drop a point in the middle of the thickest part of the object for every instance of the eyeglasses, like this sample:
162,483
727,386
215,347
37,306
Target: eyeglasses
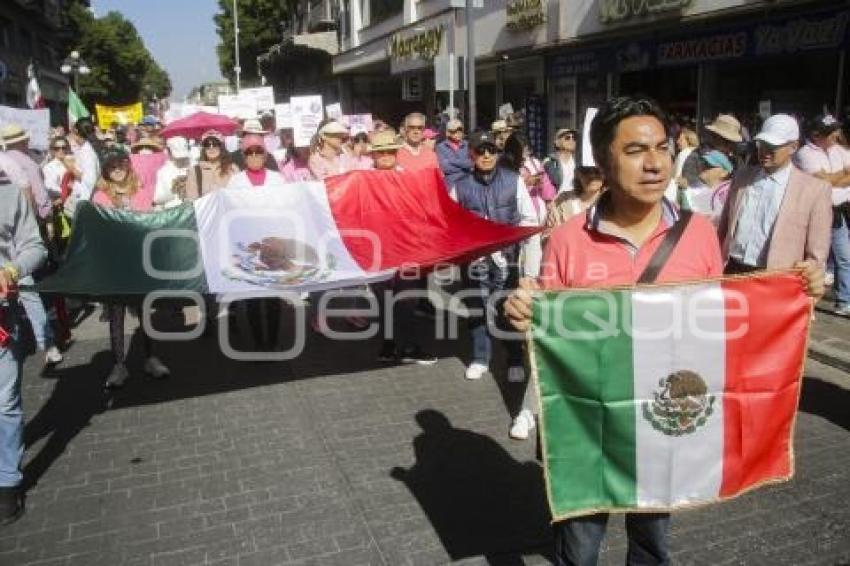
212,143
254,151
487,149
457,131
414,128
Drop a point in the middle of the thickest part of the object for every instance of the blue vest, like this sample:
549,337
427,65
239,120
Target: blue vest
494,199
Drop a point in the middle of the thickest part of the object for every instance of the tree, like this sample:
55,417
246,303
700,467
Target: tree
122,69
259,29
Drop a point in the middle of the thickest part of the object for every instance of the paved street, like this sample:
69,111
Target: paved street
333,459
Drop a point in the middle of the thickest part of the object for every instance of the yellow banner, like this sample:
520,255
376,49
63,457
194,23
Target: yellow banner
107,115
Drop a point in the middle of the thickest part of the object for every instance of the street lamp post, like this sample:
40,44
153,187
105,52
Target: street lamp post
470,65
237,69
74,65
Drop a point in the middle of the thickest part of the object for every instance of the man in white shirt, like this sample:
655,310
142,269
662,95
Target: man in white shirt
171,177
86,165
823,157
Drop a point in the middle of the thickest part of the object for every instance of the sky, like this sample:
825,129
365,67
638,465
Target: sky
180,34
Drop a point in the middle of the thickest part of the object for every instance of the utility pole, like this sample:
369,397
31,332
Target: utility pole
470,65
237,69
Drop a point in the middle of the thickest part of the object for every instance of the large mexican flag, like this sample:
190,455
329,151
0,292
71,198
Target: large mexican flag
347,230
659,397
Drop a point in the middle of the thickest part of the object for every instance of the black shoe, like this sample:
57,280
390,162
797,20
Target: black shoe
116,377
11,505
418,356
387,353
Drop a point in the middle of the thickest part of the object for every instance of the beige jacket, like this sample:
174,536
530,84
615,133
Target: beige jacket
803,227
211,180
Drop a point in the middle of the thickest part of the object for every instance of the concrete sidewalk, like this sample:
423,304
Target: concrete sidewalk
829,341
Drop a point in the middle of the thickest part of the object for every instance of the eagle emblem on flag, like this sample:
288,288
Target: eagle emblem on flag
681,405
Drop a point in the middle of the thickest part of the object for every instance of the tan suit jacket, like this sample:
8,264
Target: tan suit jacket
803,226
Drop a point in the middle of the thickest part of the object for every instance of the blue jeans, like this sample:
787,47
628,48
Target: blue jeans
11,411
577,540
841,256
487,278
37,315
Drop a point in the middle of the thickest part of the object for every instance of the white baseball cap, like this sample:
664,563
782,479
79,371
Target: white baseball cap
779,129
178,146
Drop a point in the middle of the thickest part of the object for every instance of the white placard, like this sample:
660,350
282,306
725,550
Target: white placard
237,106
35,122
334,111
307,112
586,149
357,123
283,115
264,97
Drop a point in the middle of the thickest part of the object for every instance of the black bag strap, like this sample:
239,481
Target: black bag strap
199,177
665,250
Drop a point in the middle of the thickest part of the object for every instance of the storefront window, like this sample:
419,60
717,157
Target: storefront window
376,11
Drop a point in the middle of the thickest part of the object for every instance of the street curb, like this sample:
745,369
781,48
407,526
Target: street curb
830,356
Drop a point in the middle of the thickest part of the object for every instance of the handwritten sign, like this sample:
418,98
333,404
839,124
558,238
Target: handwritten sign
357,123
622,10
307,113
237,106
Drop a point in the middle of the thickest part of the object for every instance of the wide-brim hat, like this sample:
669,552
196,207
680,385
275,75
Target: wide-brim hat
727,127
13,133
148,143
384,141
253,126
333,128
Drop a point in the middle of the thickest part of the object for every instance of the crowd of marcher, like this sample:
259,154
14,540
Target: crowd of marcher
777,200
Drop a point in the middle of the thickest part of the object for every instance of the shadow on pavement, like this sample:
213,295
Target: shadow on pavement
479,500
826,400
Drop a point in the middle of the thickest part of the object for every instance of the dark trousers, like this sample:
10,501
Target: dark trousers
735,267
577,540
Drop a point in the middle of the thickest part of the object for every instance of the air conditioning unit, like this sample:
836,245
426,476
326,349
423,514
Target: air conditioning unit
411,88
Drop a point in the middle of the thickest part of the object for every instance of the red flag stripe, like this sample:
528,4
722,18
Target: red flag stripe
389,219
763,373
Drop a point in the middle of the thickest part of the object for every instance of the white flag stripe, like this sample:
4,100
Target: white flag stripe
677,469
297,212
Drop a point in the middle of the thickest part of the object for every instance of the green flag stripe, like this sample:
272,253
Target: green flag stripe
586,393
106,255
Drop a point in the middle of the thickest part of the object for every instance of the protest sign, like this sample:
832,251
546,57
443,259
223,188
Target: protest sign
357,123
263,97
306,115
123,115
237,106
35,122
283,115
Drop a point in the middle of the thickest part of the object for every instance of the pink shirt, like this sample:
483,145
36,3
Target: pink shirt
34,179
293,172
323,167
425,158
579,254
142,201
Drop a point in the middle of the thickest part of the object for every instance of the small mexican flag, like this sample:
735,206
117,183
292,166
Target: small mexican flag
659,397
76,108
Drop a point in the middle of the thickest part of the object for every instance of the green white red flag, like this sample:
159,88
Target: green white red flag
660,397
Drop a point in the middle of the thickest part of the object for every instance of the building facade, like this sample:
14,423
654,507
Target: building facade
552,59
33,31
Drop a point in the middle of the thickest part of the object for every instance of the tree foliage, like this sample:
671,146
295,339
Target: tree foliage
259,29
122,69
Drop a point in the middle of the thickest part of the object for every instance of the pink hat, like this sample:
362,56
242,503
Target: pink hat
253,140
429,134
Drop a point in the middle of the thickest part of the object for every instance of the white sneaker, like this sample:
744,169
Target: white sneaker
516,374
829,278
156,369
476,371
53,356
522,425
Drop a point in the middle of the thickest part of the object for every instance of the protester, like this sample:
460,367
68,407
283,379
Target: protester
171,179
414,154
120,188
357,150
326,155
587,186
296,167
453,153
612,245
429,138
57,176
775,215
722,135
253,127
256,174
384,150
214,169
86,164
823,157
498,194
687,142
21,253
16,141
500,132
709,195
560,166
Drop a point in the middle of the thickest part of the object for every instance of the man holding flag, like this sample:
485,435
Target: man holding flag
632,235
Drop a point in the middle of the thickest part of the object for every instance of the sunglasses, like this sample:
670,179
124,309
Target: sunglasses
212,143
414,128
492,150
457,131
770,148
59,147
254,151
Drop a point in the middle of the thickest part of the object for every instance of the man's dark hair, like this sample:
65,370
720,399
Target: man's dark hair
603,129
